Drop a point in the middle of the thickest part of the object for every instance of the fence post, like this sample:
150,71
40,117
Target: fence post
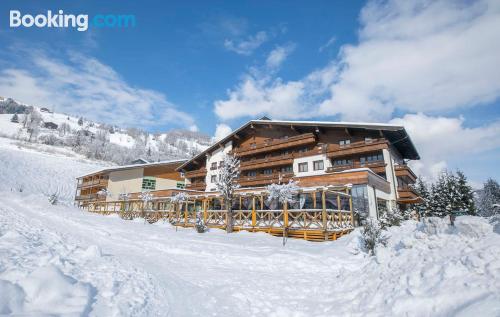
350,206
325,219
205,203
254,216
340,212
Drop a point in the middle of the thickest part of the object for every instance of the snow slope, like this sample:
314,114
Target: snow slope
62,261
42,173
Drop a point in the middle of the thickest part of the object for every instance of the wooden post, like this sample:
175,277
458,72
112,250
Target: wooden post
185,213
285,214
205,203
350,206
340,212
254,216
325,219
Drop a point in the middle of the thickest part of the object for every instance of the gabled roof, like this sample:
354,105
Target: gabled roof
395,134
132,166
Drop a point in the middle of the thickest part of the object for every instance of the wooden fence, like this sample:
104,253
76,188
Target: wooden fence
315,215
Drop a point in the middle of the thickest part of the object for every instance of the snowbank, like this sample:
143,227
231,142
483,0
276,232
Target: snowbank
59,260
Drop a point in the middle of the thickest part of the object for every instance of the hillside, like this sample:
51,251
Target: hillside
58,260
95,140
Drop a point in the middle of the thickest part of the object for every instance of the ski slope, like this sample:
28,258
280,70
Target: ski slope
58,260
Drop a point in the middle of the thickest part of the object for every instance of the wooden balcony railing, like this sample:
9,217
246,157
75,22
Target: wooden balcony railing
197,186
196,173
264,179
96,182
377,166
272,145
404,170
267,162
336,150
318,223
89,197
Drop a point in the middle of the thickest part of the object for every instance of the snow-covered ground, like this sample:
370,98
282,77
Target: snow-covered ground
58,260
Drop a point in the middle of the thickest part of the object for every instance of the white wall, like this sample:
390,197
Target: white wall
390,173
126,181
215,156
309,160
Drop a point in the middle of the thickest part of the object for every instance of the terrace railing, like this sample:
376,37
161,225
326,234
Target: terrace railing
318,215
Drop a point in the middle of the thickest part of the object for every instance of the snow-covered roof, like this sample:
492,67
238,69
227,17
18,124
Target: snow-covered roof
396,134
132,166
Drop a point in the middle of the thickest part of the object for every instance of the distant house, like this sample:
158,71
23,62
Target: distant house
140,161
50,125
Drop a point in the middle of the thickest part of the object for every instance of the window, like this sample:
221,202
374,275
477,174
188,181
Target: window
221,164
344,142
303,167
180,185
267,171
213,166
252,173
371,158
148,183
287,169
342,162
368,140
318,165
303,150
213,178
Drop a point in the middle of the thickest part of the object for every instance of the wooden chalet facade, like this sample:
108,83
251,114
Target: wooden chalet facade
371,157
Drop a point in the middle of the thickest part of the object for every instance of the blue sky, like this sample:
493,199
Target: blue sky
431,66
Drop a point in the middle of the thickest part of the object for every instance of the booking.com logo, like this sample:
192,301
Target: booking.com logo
62,20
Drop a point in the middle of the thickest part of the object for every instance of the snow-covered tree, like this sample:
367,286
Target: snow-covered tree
466,199
15,118
104,193
178,199
64,129
372,235
488,197
282,192
227,184
80,121
146,197
392,217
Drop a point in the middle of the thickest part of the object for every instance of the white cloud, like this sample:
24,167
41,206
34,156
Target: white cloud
413,56
248,45
277,56
84,86
328,43
221,131
442,139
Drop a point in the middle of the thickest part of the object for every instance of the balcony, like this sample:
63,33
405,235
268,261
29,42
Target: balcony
267,162
95,182
273,145
89,197
197,186
264,179
408,195
196,173
376,167
404,170
336,150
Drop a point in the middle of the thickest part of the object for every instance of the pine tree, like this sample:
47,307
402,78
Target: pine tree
466,194
226,185
15,118
488,197
422,190
80,121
